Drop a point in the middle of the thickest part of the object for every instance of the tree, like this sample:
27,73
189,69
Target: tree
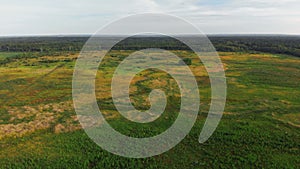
187,61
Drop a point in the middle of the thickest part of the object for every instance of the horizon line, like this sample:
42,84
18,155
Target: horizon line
90,34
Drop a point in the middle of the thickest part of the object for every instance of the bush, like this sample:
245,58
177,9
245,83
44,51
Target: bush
187,61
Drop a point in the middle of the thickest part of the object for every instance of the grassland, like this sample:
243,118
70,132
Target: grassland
259,129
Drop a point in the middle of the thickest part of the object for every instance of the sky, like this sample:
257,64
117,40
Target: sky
59,17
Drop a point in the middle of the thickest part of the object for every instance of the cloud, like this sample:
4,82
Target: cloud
212,16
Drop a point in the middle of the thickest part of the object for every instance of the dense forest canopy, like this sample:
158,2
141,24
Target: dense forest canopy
278,44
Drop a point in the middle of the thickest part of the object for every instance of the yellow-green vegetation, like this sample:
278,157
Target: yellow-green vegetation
260,127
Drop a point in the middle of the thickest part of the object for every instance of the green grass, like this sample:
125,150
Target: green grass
259,129
4,55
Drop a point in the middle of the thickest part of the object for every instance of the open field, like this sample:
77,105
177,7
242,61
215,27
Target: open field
260,127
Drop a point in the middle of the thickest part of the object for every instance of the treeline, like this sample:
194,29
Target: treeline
289,45
228,43
41,44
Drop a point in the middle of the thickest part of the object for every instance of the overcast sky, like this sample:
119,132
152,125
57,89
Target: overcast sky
27,17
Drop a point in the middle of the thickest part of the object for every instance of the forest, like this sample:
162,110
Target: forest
277,44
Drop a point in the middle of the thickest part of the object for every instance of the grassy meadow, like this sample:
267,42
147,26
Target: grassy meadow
260,127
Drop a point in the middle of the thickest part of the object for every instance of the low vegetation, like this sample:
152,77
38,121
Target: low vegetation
39,127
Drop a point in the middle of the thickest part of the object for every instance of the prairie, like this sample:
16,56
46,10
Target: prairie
259,129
